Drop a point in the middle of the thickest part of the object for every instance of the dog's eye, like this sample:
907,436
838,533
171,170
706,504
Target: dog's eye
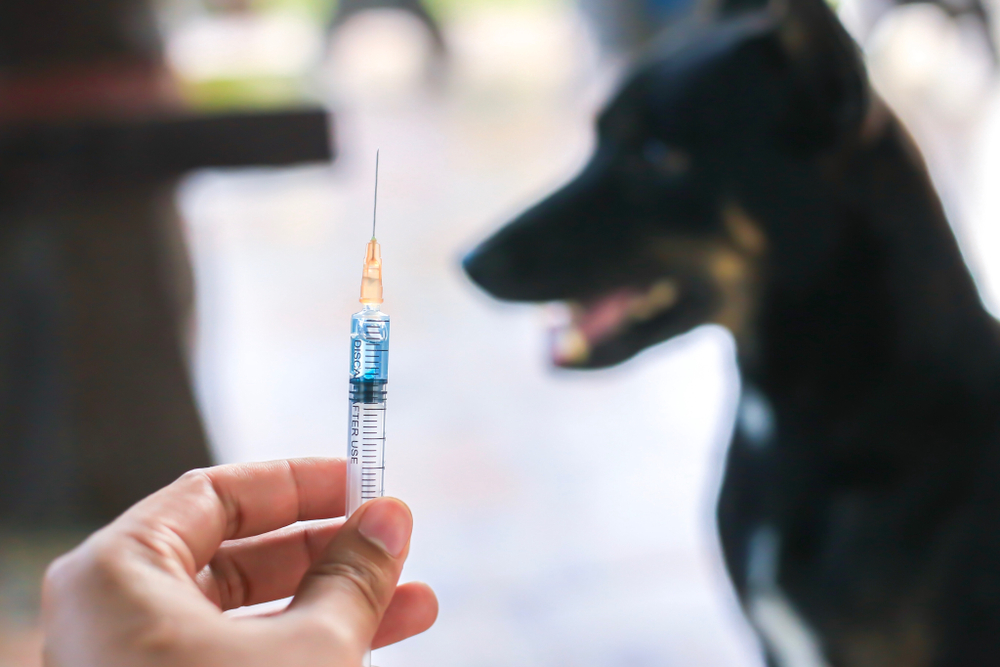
668,160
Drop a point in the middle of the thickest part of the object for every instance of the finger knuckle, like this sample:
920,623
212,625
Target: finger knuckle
54,583
232,582
361,577
203,481
57,571
196,477
97,558
104,557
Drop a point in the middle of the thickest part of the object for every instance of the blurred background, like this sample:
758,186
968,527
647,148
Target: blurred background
563,518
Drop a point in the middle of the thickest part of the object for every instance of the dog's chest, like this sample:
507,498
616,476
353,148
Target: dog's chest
820,584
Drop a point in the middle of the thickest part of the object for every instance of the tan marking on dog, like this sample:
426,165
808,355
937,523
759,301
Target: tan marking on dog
731,272
875,121
661,296
793,36
732,263
735,268
906,643
744,230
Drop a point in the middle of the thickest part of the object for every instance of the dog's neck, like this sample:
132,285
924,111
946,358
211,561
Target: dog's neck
888,306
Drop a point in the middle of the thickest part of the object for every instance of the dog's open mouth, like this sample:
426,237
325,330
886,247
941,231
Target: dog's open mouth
597,332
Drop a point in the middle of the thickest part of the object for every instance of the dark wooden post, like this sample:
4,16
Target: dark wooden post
96,406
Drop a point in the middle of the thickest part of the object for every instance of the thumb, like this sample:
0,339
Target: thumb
350,585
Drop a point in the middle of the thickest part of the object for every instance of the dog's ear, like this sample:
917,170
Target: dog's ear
829,94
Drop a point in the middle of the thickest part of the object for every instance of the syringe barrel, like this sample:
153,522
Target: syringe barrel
367,399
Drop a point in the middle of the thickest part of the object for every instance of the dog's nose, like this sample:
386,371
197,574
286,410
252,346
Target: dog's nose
486,269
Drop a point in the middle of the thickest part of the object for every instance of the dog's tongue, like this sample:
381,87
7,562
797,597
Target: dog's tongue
600,319
591,325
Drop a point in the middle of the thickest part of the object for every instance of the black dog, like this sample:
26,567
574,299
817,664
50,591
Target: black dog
747,176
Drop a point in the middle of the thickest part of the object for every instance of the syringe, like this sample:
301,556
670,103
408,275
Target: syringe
368,380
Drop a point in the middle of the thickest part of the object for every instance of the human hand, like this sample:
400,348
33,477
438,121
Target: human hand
150,588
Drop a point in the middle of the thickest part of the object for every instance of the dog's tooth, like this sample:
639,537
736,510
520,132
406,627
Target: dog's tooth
663,293
661,296
570,346
559,314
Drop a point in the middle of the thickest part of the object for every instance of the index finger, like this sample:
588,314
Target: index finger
188,520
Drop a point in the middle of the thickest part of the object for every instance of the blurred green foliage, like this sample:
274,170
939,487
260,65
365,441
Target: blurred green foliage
320,10
445,8
246,93
262,92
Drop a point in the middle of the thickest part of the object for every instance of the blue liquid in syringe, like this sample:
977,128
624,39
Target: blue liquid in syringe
366,422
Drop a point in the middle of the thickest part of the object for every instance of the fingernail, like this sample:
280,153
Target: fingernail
387,525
